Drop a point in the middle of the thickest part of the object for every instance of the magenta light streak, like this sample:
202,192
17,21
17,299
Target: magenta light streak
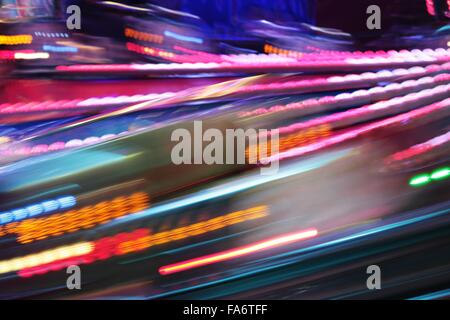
402,58
406,101
296,86
420,148
361,96
402,119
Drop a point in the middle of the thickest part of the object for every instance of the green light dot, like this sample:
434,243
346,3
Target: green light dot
419,180
440,174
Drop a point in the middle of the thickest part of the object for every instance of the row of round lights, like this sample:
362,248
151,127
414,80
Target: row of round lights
34,210
406,58
361,96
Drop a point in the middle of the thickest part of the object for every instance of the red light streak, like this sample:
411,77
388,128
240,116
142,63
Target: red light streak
137,240
430,7
238,252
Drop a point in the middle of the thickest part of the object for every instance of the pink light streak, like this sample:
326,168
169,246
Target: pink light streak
430,7
362,96
238,252
261,62
421,148
379,108
402,119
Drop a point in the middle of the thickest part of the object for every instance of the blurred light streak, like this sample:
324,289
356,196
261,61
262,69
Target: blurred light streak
174,35
433,296
143,36
383,226
402,119
421,148
37,209
242,86
140,239
80,46
425,178
58,145
439,174
430,7
31,55
211,91
52,34
4,139
79,163
125,6
369,112
360,96
59,48
11,54
302,137
209,56
325,54
419,180
91,102
44,257
318,249
83,218
244,183
269,49
266,63
155,52
238,252
193,229
16,39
